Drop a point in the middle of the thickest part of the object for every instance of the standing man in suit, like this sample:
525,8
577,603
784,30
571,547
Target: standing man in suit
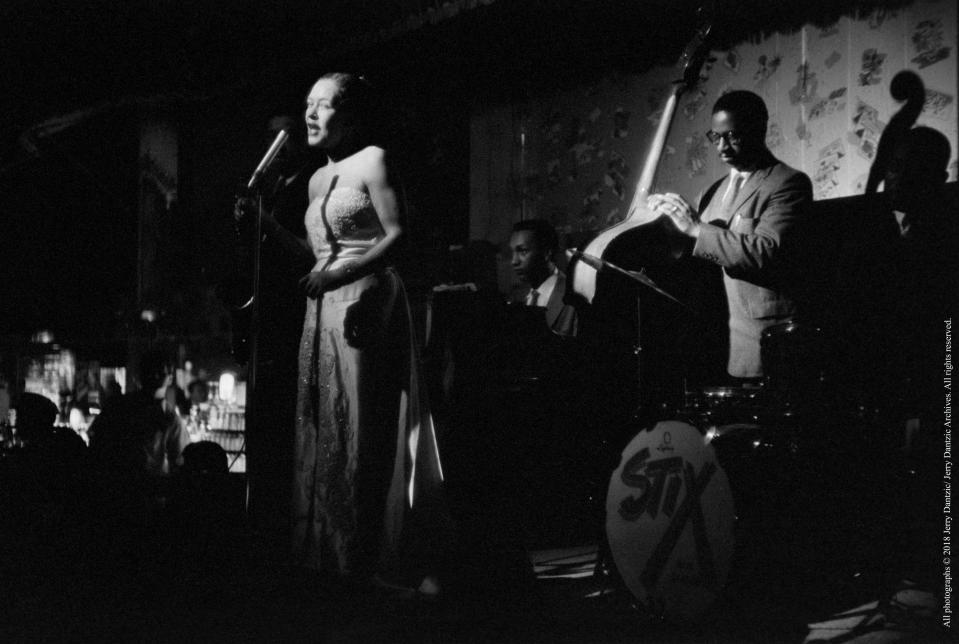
749,223
534,244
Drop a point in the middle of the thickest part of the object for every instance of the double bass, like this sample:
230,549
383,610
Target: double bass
646,237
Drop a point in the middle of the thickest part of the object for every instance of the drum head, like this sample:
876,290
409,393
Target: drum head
670,521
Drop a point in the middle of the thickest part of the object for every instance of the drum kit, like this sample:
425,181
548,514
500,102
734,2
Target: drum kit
714,501
729,498
690,498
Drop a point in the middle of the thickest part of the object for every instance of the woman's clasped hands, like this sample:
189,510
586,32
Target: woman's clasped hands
315,283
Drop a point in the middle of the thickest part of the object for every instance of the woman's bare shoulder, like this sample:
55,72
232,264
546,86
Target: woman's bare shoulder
373,164
372,155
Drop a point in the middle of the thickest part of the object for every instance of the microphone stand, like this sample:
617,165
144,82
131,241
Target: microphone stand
251,411
251,396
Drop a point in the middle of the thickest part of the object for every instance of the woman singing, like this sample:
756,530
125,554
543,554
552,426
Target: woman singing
365,449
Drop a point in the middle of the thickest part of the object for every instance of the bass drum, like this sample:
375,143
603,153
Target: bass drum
671,521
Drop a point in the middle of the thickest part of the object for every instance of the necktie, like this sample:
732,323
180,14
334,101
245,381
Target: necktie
729,198
532,298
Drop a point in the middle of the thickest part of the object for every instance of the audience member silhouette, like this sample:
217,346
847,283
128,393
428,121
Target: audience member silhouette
41,511
176,401
133,444
199,392
204,521
55,454
135,434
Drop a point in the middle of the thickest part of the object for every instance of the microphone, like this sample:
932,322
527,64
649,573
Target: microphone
267,159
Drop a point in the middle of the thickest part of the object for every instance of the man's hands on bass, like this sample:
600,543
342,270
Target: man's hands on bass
683,215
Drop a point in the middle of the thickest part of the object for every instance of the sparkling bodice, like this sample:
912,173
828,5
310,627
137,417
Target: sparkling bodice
353,224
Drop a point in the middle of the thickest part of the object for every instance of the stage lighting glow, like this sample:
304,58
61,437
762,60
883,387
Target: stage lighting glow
43,336
227,388
77,420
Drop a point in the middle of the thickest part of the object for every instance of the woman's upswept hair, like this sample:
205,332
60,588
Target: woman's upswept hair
354,97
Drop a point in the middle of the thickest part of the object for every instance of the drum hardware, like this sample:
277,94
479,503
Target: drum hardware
718,406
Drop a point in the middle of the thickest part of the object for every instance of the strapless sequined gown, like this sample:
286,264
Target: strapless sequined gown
365,447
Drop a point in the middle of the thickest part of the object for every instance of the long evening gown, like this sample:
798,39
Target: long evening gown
365,447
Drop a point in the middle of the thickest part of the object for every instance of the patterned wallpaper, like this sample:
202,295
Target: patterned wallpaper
574,157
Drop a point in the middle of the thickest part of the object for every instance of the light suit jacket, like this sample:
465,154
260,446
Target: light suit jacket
756,247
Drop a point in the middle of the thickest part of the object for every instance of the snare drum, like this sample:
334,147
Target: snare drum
710,406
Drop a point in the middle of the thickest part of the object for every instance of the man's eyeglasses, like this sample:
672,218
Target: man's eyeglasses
731,137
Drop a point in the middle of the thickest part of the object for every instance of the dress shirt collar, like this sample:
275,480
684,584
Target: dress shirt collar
545,289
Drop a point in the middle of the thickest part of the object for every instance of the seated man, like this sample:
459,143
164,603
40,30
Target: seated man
533,245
